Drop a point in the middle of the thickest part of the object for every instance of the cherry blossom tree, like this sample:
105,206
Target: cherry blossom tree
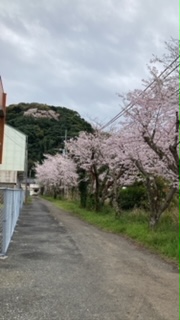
122,172
87,152
148,168
103,159
57,173
152,127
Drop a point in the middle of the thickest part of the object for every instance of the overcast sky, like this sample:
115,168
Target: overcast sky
81,53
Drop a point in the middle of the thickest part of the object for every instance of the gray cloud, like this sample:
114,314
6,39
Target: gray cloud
79,54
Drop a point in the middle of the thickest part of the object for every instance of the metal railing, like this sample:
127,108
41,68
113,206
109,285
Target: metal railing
11,202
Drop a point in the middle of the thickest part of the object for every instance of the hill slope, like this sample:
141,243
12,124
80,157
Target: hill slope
45,127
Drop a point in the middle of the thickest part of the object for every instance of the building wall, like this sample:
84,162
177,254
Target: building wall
14,150
8,177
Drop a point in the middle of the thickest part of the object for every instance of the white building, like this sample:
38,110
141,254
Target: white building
14,156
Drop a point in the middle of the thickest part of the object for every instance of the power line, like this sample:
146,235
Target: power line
130,105
18,132
14,140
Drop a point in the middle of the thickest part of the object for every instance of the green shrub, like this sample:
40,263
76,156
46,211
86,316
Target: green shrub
133,196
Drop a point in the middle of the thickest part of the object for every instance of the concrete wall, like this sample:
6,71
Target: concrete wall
8,177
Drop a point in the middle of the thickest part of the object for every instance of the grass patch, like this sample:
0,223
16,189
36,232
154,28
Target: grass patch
134,224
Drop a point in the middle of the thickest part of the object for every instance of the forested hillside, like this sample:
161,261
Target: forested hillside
45,127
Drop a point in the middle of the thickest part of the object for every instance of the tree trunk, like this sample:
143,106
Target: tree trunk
157,210
115,196
55,194
83,188
97,188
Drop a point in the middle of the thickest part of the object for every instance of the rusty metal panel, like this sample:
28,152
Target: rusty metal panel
2,100
2,117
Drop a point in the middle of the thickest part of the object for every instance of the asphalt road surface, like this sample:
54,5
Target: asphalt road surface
61,268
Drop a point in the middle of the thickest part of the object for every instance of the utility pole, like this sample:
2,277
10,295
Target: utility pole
26,171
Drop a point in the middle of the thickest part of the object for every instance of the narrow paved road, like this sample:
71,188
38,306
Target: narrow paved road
60,268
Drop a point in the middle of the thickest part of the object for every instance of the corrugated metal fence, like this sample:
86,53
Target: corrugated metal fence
11,202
